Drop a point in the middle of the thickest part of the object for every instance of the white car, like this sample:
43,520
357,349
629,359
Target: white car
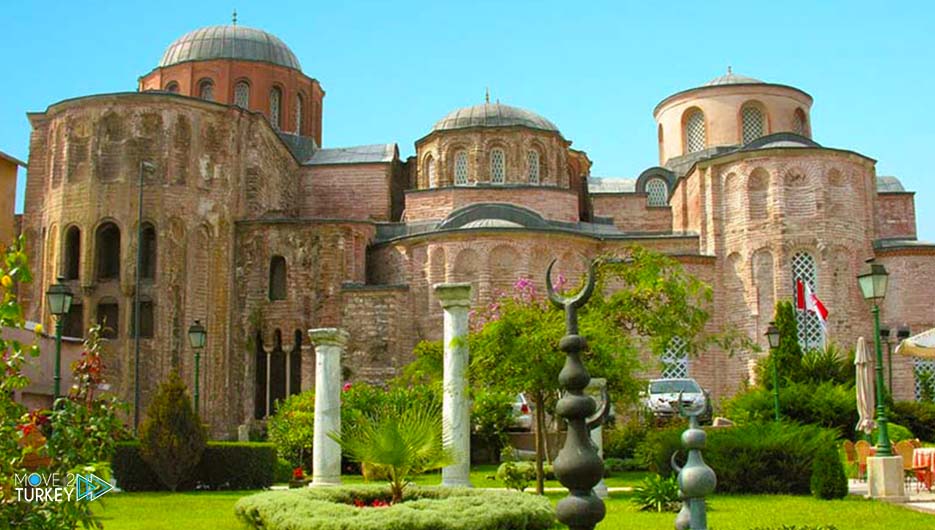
662,397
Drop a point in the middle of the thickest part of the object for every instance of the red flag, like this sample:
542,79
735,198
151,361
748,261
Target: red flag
806,300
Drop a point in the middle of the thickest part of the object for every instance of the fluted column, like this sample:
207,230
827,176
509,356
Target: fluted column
455,299
326,453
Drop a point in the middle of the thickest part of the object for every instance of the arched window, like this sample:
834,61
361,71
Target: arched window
657,192
172,87
800,123
295,365
461,168
811,333
148,252
532,166
206,90
275,101
242,94
497,166
277,278
277,374
430,171
147,318
753,123
675,360
108,316
73,325
72,253
108,252
694,131
299,108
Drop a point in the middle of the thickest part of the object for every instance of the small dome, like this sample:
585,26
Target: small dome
229,42
493,115
492,223
733,79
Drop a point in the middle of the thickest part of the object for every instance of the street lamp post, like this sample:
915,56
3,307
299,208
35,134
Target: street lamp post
197,335
885,337
59,299
873,284
772,335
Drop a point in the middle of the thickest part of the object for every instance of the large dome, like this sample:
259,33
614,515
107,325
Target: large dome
733,79
493,115
229,42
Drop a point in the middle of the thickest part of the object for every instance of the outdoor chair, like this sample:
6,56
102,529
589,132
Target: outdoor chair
863,451
916,443
904,449
850,454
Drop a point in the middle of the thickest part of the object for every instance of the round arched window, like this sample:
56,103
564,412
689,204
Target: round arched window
657,192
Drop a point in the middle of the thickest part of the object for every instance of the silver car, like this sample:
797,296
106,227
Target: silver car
662,397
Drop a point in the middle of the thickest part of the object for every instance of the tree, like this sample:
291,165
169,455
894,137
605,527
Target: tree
642,301
788,354
172,438
292,429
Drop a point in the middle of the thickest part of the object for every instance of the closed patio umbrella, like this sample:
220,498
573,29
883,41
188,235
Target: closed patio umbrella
921,345
865,397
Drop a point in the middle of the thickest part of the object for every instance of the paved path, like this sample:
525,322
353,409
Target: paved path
922,501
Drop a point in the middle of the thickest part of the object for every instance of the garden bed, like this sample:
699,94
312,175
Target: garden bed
422,508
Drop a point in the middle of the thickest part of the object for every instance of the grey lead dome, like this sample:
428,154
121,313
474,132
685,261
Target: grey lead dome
493,115
229,42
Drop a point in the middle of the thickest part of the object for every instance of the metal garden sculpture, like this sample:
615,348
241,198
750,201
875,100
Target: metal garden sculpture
696,479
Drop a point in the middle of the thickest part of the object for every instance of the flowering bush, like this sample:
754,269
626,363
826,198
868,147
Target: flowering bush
298,473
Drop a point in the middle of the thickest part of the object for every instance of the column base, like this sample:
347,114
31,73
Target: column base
885,479
324,481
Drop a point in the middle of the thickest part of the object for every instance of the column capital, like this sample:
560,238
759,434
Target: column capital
328,336
453,294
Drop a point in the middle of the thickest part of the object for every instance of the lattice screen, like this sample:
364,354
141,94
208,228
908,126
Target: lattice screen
206,91
298,113
461,169
657,193
430,169
924,373
811,334
675,360
694,132
242,95
532,161
275,97
753,124
497,169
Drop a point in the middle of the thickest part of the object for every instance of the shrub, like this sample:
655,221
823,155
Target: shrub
827,405
230,465
828,478
917,416
516,475
788,354
292,429
618,465
755,458
622,441
422,509
172,437
896,432
657,493
830,363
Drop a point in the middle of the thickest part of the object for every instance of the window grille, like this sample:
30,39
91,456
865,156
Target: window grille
532,160
206,90
461,169
694,132
799,126
754,123
924,371
242,94
275,98
657,192
675,360
811,334
497,166
298,114
430,169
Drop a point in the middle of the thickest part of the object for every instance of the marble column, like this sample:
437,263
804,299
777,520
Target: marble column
326,453
455,299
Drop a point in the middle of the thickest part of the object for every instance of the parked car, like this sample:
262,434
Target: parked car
662,397
522,413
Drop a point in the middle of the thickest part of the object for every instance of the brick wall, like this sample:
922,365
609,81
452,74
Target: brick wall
550,203
348,191
631,214
896,215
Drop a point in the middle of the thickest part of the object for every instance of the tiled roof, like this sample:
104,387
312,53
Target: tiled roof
611,185
359,154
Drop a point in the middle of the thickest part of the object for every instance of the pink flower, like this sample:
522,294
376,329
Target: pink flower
346,387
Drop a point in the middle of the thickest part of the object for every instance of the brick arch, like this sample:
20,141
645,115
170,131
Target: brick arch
466,267
504,271
732,200
763,266
758,194
798,193
735,295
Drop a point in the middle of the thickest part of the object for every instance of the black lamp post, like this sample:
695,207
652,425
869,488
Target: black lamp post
197,336
873,282
59,299
772,335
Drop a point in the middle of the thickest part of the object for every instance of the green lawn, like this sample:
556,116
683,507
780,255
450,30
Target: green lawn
214,511
482,477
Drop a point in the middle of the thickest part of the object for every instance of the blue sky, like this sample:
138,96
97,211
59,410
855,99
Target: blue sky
596,69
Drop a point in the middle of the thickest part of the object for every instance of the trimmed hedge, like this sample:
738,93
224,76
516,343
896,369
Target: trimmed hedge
917,416
421,509
754,458
223,465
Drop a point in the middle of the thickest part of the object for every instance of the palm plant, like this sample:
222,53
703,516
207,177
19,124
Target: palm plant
401,440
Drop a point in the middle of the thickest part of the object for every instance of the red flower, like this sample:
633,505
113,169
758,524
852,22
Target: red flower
298,473
359,503
379,503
